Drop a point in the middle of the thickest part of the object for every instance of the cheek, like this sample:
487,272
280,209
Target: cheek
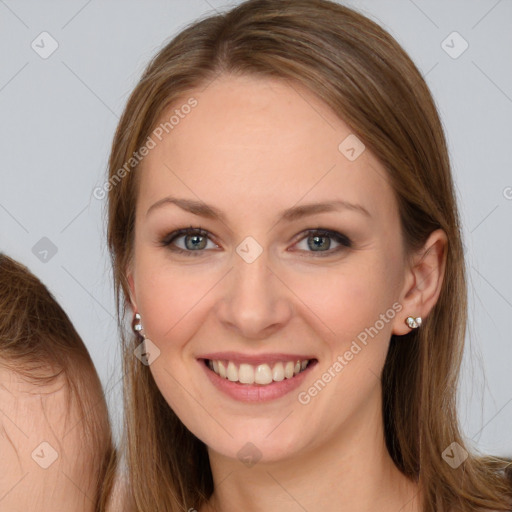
171,300
347,299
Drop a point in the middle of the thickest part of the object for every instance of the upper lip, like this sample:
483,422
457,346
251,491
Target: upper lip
239,357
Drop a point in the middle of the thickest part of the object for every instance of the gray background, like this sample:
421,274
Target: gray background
58,116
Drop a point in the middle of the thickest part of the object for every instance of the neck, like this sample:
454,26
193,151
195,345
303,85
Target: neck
350,471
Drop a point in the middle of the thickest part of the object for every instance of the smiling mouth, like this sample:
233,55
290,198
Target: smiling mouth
260,374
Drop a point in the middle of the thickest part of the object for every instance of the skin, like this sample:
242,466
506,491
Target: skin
30,414
253,147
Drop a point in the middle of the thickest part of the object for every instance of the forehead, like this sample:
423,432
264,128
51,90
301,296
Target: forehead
264,142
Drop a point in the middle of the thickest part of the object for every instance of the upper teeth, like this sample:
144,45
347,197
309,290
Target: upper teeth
257,374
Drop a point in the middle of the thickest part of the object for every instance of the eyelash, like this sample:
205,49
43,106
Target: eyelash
342,239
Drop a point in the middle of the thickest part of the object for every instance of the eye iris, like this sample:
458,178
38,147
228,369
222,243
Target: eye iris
317,242
196,242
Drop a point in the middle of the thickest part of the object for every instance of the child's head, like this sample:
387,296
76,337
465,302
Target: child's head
55,434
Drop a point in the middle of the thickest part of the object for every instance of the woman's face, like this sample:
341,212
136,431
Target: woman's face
259,166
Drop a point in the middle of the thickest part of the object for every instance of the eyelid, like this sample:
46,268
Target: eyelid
343,240
339,237
179,233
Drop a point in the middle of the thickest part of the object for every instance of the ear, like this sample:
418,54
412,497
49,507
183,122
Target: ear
131,287
423,281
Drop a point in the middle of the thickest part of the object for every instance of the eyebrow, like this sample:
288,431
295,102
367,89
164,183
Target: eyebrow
296,212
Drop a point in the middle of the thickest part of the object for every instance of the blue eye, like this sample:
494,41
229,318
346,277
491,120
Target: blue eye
321,239
195,240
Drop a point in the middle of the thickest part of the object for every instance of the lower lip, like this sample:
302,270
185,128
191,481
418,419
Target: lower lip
256,392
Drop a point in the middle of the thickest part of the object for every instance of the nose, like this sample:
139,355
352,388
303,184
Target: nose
255,302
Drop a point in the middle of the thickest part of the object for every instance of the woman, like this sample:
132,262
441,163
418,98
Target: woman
55,438
263,375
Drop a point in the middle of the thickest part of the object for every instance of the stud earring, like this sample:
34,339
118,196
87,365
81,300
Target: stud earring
137,325
413,322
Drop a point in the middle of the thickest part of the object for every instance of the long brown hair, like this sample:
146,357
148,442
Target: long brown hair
368,80
40,344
